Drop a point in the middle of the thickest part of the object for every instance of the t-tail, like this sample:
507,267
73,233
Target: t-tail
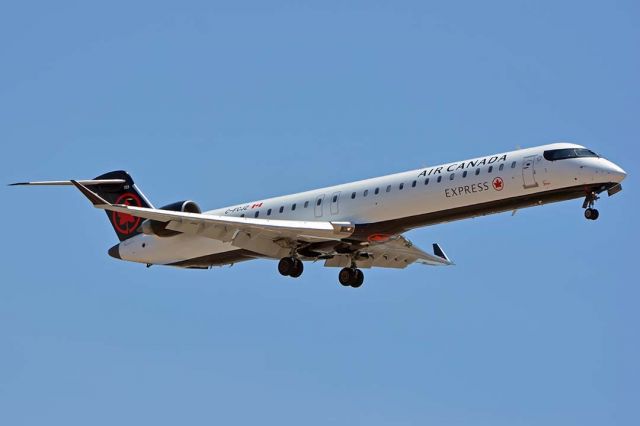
116,187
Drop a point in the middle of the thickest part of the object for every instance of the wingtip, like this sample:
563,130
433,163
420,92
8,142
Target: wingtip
437,250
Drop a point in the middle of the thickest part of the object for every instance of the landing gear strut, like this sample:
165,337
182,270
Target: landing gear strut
290,266
590,213
351,277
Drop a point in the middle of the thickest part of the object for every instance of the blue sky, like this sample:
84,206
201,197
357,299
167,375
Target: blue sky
223,103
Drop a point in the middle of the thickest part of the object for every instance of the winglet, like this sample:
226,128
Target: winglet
95,199
437,250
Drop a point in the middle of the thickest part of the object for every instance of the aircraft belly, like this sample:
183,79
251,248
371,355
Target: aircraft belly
169,250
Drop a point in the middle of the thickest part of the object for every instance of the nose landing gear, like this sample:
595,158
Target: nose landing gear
590,213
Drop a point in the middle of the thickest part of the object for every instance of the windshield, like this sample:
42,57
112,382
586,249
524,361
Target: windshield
563,154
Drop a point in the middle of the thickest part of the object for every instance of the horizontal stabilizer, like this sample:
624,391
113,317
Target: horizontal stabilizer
86,182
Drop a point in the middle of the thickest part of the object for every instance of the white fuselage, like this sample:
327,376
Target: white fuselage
394,203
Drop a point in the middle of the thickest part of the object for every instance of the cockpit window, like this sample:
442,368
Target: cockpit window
563,154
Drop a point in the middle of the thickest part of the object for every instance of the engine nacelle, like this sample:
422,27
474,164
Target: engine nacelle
159,229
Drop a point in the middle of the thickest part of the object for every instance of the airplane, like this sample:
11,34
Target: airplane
352,226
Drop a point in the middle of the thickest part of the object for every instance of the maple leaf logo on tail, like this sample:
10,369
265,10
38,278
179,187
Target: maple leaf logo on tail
124,223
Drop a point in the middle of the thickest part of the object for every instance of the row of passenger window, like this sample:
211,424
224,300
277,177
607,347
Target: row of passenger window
426,181
293,207
388,189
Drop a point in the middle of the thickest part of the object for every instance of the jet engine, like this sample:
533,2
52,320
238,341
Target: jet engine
159,229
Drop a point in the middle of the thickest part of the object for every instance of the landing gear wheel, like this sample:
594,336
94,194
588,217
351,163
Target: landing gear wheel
285,266
358,279
591,214
290,266
588,213
351,277
298,267
345,276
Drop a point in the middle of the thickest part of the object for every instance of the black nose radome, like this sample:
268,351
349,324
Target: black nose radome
115,251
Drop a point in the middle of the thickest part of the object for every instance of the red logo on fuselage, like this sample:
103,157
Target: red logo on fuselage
498,184
125,223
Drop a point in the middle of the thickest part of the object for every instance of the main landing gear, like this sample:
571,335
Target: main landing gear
590,213
351,277
290,266
293,267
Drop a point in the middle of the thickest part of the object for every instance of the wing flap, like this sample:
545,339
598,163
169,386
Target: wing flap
397,252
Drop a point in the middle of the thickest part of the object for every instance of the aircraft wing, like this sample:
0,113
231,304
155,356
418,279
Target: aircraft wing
268,237
275,238
397,252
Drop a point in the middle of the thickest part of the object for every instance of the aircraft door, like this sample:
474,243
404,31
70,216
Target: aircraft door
335,199
318,206
528,172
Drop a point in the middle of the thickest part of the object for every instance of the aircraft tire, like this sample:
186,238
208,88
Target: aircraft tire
345,276
285,266
591,214
358,278
297,269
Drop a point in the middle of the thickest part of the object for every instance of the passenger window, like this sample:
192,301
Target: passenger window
281,209
452,176
490,169
366,192
377,191
389,188
293,207
401,186
319,201
477,172
306,204
501,168
464,174
513,165
426,181
439,179
269,212
335,198
353,195
413,184
242,215
257,214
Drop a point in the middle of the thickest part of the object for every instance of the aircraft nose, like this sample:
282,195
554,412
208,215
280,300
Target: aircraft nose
615,172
